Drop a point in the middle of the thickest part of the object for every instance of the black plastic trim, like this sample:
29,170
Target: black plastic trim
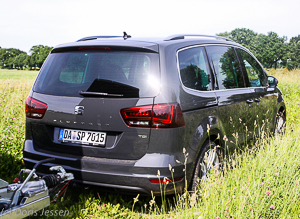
113,48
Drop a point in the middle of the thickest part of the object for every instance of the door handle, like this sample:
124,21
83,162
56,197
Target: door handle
257,99
249,101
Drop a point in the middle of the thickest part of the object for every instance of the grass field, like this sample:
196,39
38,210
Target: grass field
18,75
261,182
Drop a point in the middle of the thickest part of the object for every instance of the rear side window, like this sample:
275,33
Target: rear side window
193,67
254,71
72,73
226,66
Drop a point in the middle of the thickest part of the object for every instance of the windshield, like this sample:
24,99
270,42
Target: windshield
130,74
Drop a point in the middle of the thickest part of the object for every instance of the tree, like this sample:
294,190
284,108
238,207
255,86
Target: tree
294,52
270,49
20,60
225,34
7,56
38,55
243,36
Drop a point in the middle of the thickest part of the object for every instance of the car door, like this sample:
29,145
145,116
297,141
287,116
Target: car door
264,99
197,98
235,106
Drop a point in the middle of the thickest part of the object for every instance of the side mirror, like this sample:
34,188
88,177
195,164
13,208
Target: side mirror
272,81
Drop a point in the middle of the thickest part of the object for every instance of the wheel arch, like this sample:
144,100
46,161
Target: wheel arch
215,135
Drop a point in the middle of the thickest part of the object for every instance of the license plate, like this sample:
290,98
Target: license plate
82,137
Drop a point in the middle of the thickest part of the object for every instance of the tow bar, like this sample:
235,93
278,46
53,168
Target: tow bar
23,199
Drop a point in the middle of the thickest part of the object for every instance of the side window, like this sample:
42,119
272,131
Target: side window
194,69
254,71
226,67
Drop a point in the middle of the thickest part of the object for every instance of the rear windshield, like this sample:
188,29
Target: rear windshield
100,74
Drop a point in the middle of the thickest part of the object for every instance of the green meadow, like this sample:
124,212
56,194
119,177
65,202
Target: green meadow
261,182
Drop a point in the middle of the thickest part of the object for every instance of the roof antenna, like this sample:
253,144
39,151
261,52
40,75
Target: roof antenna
125,36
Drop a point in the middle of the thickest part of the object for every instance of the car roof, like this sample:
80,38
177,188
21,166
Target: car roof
150,43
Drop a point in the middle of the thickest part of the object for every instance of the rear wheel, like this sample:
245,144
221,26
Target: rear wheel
280,123
210,159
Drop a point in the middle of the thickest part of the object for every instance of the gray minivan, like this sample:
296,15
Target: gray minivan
116,111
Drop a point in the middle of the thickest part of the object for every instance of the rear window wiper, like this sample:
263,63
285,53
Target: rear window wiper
108,88
88,93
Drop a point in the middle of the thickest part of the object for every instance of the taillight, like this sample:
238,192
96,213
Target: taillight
154,116
35,109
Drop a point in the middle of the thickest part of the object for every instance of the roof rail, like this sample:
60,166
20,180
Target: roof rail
181,37
125,36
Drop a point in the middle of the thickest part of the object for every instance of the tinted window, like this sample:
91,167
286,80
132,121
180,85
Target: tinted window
68,73
193,69
254,71
226,67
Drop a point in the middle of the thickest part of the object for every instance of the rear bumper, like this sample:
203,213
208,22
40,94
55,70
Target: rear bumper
128,175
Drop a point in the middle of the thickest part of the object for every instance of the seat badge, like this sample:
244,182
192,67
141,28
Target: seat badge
79,110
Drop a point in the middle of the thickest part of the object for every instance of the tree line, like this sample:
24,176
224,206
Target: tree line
15,58
271,50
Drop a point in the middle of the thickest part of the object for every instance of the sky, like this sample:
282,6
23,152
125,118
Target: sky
24,24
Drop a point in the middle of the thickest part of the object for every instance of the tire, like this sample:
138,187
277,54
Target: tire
280,123
203,168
